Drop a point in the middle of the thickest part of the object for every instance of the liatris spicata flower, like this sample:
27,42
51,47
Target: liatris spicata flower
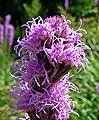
9,30
6,23
66,4
1,33
48,51
10,34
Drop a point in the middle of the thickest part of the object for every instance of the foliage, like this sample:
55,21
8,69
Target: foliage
88,99
33,9
82,7
6,60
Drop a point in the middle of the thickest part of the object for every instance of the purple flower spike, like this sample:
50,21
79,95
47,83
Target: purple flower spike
47,52
66,4
1,33
10,34
9,30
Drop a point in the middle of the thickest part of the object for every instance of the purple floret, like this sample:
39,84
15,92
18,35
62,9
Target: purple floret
55,97
68,53
59,93
54,34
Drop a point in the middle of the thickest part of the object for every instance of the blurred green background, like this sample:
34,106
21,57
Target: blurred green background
22,11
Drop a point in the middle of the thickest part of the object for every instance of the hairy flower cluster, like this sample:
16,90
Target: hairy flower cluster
48,51
59,93
54,36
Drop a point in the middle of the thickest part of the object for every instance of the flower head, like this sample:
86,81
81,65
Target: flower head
54,36
48,51
55,98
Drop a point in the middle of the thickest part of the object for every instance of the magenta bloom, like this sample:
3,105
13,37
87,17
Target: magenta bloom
1,33
47,52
